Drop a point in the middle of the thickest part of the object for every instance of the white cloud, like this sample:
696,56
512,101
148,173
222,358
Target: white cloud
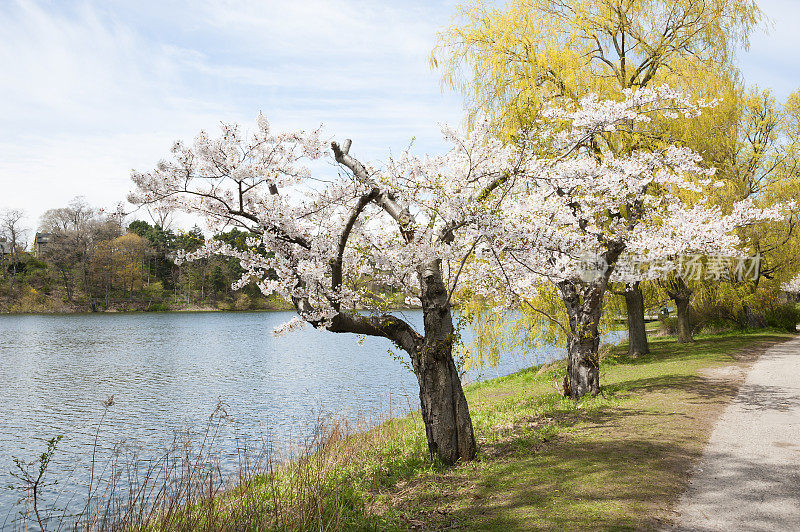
94,89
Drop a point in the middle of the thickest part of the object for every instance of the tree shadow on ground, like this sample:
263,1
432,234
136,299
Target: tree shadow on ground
560,488
606,417
584,476
764,398
701,390
698,389
730,491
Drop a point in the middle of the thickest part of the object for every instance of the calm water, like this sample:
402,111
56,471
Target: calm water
167,373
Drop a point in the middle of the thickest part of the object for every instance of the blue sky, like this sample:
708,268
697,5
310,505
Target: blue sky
90,90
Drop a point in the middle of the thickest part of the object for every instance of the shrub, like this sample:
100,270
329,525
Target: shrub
668,327
784,317
32,300
242,302
717,326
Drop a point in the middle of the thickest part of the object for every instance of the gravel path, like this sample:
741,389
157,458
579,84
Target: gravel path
749,475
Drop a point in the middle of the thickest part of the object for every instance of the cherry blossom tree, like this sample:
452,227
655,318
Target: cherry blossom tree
326,244
580,216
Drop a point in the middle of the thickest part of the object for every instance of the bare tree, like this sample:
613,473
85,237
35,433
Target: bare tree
75,230
69,247
11,228
161,215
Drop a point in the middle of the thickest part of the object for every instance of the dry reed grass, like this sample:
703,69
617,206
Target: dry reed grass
318,485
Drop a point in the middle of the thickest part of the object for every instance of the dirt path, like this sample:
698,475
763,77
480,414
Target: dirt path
749,475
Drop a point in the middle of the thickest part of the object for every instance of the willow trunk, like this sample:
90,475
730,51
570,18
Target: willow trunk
684,325
637,333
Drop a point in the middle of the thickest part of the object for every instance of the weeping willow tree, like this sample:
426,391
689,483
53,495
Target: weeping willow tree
765,167
541,320
510,63
758,160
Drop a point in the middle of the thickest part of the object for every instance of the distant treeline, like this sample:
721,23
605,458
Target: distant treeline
84,260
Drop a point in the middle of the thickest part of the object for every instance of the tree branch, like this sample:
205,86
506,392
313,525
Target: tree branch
383,198
336,264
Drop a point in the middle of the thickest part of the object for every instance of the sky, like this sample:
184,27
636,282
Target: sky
93,89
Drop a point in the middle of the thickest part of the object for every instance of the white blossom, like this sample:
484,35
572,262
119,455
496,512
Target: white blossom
793,286
502,216
292,325
261,182
583,200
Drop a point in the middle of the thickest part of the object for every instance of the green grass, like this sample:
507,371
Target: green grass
615,461
618,461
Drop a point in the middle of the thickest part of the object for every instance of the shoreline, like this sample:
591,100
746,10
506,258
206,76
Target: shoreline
172,311
619,460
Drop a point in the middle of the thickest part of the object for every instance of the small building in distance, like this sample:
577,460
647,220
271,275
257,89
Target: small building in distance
41,243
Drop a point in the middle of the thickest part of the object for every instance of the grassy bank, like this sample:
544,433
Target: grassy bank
616,461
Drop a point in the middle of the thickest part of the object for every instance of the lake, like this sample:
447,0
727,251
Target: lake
167,373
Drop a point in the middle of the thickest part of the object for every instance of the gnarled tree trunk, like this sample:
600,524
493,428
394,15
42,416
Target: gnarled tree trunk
445,412
583,364
637,334
448,425
583,301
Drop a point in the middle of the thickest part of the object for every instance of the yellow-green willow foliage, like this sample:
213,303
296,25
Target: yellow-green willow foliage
753,141
765,166
755,147
537,322
510,61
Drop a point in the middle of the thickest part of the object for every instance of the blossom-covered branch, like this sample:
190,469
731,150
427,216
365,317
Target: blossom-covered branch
343,249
